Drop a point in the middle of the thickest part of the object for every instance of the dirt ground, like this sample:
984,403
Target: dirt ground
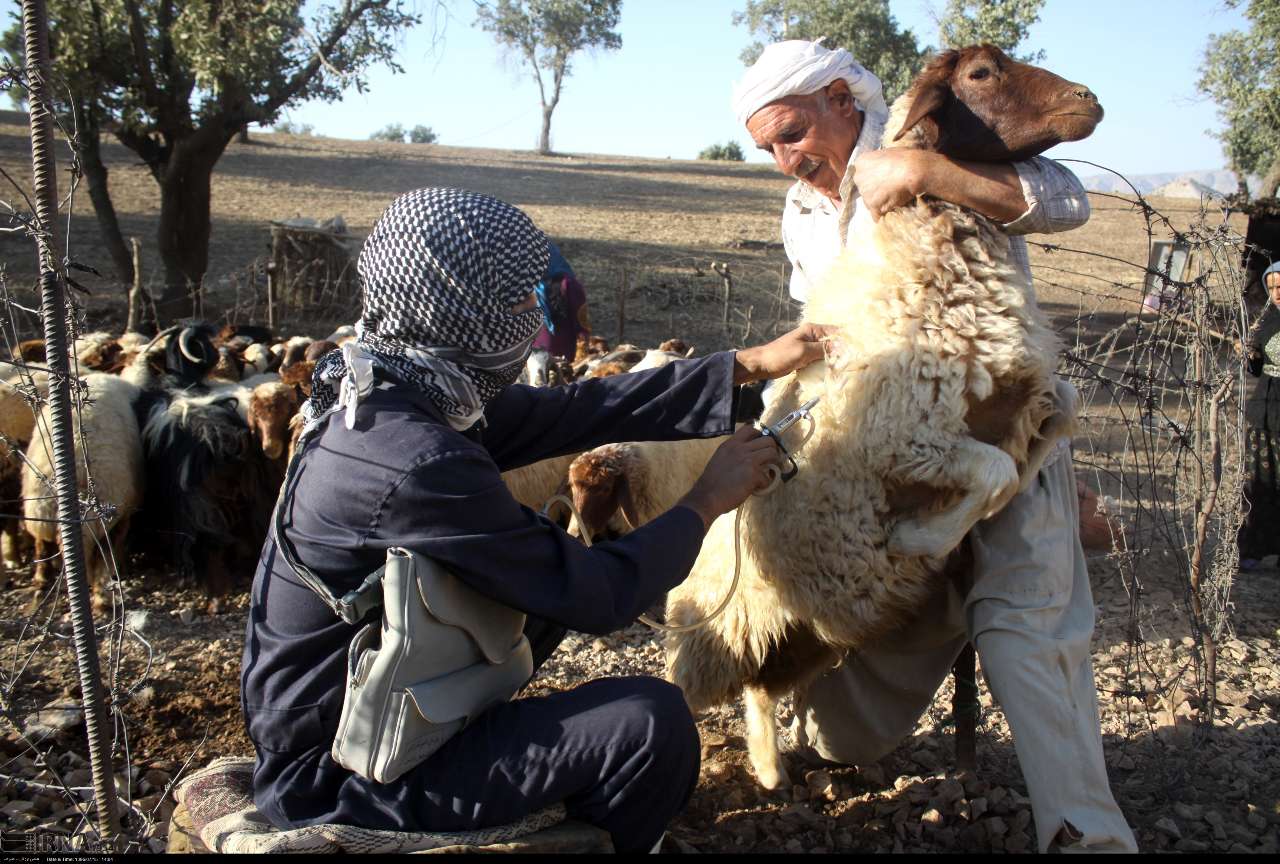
656,227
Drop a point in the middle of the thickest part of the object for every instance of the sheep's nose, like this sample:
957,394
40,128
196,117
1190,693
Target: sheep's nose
1082,92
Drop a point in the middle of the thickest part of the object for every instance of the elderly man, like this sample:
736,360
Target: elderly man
1029,611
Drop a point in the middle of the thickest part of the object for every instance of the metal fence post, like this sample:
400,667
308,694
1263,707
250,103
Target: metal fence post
35,27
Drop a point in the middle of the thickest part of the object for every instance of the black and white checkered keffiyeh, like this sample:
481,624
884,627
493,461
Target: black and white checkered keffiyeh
439,273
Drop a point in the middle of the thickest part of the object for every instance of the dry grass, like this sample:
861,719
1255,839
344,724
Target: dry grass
664,221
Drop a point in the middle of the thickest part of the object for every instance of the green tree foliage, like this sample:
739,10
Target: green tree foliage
288,127
1241,73
865,27
175,81
391,132
422,135
545,34
1003,23
729,152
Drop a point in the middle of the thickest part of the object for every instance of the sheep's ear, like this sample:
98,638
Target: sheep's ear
930,91
929,97
629,510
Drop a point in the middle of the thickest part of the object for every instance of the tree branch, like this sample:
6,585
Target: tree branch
350,15
142,57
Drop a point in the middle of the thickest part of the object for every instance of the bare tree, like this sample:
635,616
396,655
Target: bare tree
546,33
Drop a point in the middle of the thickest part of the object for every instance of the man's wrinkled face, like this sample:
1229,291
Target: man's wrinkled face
1273,287
810,137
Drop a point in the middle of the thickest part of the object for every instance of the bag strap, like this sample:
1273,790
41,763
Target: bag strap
352,606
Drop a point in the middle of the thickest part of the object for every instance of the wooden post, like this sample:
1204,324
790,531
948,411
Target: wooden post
271,284
133,322
727,276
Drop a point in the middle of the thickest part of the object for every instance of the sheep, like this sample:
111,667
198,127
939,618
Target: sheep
258,359
215,484
532,485
616,488
271,406
318,349
21,394
656,360
537,368
111,451
937,405
343,334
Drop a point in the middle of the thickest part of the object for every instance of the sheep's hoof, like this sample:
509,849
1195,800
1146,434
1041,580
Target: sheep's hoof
772,776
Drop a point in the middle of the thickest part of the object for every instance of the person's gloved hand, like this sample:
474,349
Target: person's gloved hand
738,468
789,352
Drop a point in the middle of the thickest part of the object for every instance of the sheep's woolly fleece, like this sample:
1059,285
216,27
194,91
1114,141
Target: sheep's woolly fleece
815,551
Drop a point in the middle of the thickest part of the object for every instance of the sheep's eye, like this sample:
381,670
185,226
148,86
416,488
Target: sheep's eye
979,74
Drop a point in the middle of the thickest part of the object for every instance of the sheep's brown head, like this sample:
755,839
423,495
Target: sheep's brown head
599,486
271,406
979,104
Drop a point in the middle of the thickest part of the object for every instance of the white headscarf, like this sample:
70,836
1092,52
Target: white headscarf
798,67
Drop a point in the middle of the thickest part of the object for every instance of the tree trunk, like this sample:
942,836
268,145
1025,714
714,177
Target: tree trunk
242,137
95,173
185,193
1271,182
544,142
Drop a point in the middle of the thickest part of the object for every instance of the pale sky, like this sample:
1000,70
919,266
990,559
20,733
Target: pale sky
666,92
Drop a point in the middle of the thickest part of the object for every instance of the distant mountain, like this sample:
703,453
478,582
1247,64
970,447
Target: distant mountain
1184,184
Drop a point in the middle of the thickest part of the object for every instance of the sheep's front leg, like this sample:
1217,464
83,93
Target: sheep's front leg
762,738
988,477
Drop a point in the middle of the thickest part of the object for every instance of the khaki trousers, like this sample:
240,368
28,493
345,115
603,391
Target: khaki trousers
1030,615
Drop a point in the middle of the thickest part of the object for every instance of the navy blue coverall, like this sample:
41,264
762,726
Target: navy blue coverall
620,753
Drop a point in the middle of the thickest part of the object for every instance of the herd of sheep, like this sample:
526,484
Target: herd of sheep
181,445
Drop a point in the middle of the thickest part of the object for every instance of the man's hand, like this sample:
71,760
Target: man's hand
787,353
887,179
738,468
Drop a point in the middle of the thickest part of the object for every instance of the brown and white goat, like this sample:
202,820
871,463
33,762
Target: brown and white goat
938,402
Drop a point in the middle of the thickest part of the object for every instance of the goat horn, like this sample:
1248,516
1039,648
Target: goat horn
163,333
183,339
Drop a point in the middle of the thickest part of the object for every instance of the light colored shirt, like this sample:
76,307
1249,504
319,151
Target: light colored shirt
815,230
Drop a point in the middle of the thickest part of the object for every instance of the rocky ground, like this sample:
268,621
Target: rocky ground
1184,785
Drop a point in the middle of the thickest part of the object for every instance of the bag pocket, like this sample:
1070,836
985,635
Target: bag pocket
467,693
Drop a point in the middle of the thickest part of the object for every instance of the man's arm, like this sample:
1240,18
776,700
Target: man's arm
1031,197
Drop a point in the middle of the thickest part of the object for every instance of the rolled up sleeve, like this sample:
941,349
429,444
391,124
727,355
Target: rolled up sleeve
1056,199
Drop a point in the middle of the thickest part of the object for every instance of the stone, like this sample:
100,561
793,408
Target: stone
1017,842
1241,834
873,775
1168,827
931,817
1187,844
1214,818
819,784
1021,820
997,827
153,779
945,838
712,741
14,808
949,790
1189,812
1255,819
977,807
56,718
186,615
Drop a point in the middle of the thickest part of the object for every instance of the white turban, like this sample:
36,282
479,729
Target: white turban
798,67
